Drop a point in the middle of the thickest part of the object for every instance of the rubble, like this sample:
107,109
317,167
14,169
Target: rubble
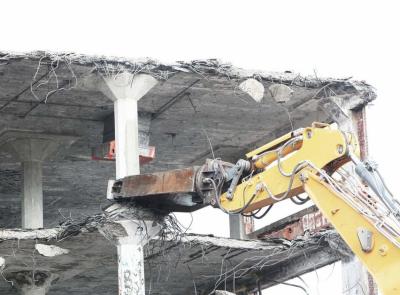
50,250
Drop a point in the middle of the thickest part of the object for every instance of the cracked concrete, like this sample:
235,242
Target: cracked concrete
172,265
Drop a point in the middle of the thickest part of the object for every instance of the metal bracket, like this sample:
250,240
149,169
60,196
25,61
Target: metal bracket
240,167
366,239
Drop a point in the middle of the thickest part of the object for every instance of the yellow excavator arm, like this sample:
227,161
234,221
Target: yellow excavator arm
353,197
310,160
273,170
368,239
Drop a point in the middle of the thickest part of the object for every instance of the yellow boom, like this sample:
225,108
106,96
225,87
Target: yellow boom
305,161
353,198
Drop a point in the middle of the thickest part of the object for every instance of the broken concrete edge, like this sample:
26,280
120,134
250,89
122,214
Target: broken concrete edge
281,223
58,234
35,234
235,243
50,250
204,68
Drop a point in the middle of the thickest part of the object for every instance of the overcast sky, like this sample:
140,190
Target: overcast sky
333,38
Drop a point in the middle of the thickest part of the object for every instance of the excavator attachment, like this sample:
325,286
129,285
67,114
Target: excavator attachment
354,198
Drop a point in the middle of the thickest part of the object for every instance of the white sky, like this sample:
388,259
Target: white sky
335,38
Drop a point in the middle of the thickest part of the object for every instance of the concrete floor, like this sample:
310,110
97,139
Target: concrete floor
172,266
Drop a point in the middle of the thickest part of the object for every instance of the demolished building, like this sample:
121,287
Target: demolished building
58,146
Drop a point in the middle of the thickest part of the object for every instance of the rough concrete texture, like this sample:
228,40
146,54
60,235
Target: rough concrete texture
192,105
172,266
191,102
50,250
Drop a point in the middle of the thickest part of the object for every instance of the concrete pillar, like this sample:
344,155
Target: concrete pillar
131,279
240,226
32,195
31,149
236,227
127,137
356,280
125,90
131,270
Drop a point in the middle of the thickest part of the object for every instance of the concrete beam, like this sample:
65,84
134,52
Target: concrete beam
240,226
309,219
310,260
31,149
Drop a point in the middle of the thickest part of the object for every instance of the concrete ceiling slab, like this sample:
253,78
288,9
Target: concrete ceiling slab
197,111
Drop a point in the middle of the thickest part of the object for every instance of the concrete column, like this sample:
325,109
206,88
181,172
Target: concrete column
240,226
125,90
31,149
32,195
126,137
131,279
130,270
130,236
356,279
236,227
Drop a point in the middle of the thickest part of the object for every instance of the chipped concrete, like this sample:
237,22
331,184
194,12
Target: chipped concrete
281,92
50,250
171,265
2,264
253,88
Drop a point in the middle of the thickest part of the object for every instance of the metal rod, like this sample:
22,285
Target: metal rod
23,91
173,100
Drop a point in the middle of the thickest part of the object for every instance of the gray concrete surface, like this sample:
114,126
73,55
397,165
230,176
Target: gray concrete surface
171,266
213,106
193,105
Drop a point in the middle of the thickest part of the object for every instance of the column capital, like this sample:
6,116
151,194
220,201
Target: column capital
130,225
124,85
127,86
33,146
31,282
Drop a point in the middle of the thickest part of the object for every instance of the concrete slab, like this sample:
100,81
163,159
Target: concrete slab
172,266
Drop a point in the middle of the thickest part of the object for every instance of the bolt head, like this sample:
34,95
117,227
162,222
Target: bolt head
383,250
334,211
303,177
340,149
